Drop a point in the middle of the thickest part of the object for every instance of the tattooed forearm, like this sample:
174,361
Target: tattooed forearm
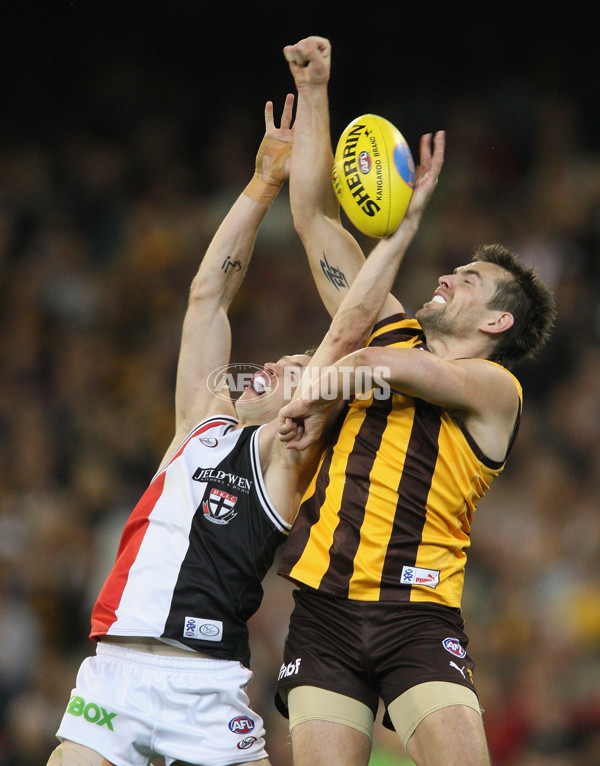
334,275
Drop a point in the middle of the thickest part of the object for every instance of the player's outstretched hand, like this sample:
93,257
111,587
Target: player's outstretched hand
285,131
309,60
427,175
273,157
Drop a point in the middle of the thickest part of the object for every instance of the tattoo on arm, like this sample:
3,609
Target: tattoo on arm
334,275
229,264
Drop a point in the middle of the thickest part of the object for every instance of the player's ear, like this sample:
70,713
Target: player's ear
498,322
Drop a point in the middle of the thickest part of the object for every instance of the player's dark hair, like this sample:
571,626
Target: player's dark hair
529,301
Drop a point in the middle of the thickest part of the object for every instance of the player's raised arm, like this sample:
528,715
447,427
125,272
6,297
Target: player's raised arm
206,337
334,255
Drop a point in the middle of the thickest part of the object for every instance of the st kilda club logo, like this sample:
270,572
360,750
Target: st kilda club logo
219,506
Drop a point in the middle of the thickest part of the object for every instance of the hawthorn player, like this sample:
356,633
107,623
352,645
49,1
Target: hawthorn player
379,545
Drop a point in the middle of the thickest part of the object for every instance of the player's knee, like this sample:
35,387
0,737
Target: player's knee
58,757
72,754
452,735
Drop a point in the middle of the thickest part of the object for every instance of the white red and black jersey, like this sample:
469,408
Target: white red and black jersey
196,547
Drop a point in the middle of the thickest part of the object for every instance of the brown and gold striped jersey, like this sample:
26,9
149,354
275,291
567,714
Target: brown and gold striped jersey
387,516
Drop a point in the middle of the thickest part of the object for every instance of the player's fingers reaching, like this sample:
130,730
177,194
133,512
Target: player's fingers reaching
284,132
273,157
424,160
425,153
286,115
431,164
439,149
269,121
427,174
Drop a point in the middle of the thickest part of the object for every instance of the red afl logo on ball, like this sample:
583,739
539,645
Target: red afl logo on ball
364,162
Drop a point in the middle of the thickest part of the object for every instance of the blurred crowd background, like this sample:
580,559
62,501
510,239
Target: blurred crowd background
125,136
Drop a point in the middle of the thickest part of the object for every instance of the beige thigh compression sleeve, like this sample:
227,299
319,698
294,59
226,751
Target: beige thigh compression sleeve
409,709
307,703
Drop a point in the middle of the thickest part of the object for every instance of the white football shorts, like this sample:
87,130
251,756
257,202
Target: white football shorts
131,706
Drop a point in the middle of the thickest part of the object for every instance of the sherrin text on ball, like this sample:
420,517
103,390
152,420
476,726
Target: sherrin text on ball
373,175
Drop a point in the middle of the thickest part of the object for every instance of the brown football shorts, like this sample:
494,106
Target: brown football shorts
371,649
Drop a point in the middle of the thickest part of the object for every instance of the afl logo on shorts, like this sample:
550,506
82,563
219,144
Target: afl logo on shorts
241,724
453,646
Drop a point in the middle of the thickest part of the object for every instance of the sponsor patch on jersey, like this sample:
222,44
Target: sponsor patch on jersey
219,507
453,646
230,480
419,576
207,630
208,442
241,724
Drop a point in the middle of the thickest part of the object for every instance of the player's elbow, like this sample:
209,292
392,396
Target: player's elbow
364,357
304,218
346,337
313,221
203,290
